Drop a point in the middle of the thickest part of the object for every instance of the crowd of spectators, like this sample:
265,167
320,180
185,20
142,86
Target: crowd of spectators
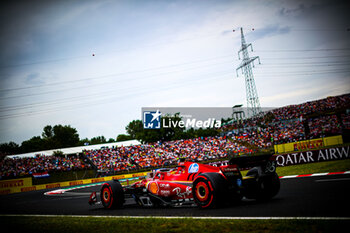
13,167
324,125
270,134
287,124
281,125
316,106
346,121
165,153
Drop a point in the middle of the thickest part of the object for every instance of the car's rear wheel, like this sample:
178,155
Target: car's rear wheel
270,186
261,187
112,195
208,190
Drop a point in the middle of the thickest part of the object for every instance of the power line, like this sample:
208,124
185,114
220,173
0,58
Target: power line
151,76
90,103
286,74
307,29
162,67
313,57
103,101
44,61
289,65
304,65
113,92
311,64
110,75
157,68
109,52
321,29
171,42
301,50
305,58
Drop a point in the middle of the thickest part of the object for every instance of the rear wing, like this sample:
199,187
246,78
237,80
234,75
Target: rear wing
265,161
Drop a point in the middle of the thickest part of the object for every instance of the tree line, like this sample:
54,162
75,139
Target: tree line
136,130
55,137
63,136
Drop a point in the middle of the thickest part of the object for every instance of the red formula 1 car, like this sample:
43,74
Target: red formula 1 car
198,184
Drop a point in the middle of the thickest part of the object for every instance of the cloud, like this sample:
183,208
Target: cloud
33,79
303,8
57,41
289,95
226,32
292,11
268,31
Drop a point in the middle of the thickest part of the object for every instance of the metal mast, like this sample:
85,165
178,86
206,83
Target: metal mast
253,103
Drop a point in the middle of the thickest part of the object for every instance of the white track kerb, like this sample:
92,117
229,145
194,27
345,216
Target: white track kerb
315,174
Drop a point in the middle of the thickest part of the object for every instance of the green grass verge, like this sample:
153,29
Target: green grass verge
310,168
105,225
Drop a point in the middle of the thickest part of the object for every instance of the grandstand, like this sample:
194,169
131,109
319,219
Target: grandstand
154,155
46,161
314,119
76,150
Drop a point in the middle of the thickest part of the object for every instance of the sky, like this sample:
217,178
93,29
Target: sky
94,64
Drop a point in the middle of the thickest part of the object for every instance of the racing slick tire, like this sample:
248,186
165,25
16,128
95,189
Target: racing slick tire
261,187
112,194
209,190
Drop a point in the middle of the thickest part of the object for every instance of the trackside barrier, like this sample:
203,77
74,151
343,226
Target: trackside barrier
308,144
301,157
15,185
312,156
25,184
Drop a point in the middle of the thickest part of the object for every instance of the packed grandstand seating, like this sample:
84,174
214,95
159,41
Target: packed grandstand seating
286,124
166,153
13,167
324,125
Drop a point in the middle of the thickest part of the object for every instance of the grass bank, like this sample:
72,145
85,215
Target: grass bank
310,168
142,225
319,167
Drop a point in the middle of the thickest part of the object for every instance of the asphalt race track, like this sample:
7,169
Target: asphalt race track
320,196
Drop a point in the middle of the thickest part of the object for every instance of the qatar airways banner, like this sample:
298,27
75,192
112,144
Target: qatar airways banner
305,157
312,156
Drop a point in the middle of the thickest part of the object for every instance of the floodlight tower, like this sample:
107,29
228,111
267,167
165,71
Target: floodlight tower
253,103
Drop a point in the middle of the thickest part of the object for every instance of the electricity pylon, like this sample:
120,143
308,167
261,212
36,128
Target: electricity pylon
253,103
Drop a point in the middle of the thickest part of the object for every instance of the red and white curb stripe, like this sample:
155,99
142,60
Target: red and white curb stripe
315,174
62,191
